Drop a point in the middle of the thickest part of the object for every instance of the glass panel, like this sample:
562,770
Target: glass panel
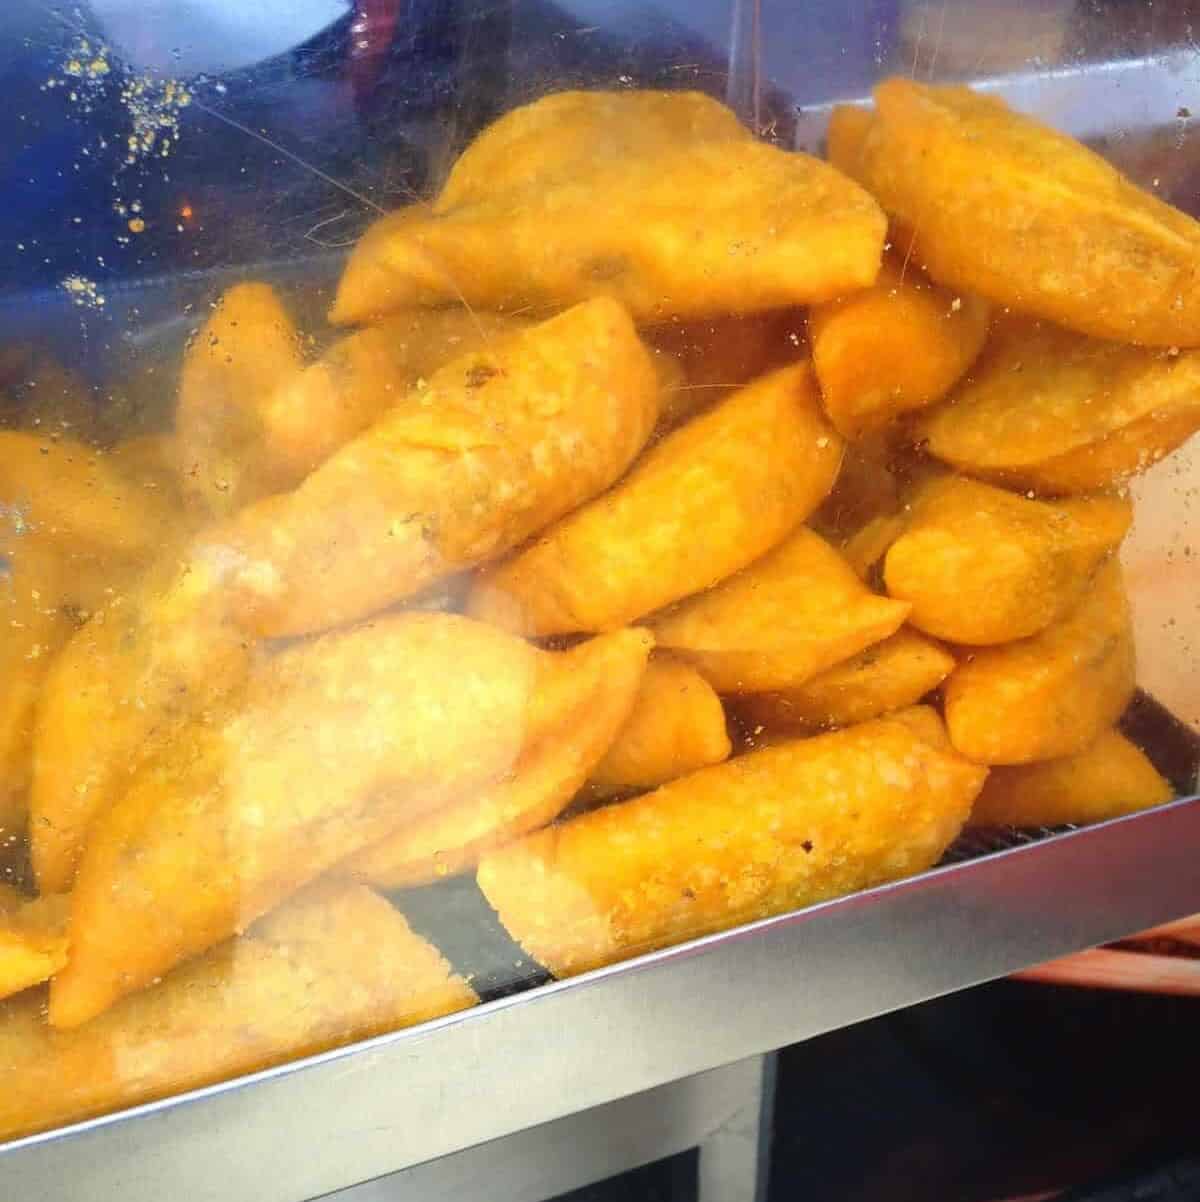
478,502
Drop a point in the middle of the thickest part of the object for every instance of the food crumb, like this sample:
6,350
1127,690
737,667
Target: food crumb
83,292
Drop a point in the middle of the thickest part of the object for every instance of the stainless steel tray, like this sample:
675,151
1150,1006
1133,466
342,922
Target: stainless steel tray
1000,902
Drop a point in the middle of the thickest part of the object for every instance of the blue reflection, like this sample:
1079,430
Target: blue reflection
304,117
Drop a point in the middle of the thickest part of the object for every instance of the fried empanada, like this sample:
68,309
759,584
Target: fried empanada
561,136
707,500
888,676
1004,206
79,748
980,565
119,690
317,410
1108,778
691,229
583,698
33,939
778,623
788,826
1048,410
1052,694
487,451
333,745
68,492
33,626
677,726
897,346
846,137
245,350
334,965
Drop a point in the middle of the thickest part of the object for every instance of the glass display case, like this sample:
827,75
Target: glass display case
551,548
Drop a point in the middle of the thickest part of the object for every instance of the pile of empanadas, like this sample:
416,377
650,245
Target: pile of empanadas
687,531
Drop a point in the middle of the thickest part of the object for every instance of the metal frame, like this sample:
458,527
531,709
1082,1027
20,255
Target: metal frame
721,1113
358,1113
1086,100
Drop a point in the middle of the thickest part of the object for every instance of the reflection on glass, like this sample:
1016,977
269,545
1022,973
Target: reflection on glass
438,552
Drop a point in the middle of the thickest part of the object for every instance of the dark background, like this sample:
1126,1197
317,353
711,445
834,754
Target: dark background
1004,1091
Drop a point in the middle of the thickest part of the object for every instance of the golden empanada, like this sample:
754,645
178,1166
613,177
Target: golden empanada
709,499
677,726
787,826
1054,412
1109,777
980,565
783,620
1010,209
332,746
334,965
582,699
892,348
1052,694
887,676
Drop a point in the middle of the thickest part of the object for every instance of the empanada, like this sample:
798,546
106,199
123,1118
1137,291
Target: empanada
980,565
1051,411
246,349
336,964
119,690
784,827
333,745
491,448
673,227
677,726
887,676
583,698
783,620
709,499
892,348
1052,694
1109,777
558,137
1004,206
